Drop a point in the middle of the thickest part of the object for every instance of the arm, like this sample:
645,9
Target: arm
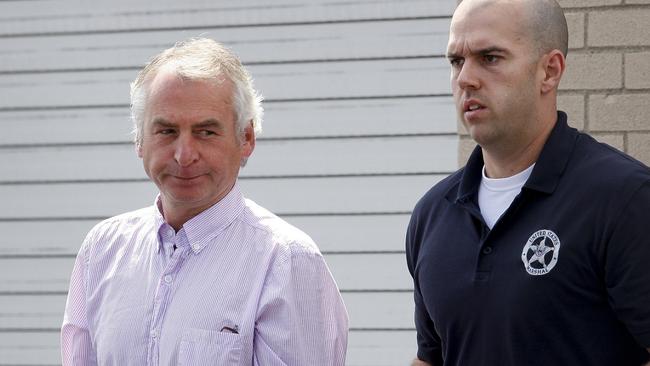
301,318
429,345
418,362
76,345
626,269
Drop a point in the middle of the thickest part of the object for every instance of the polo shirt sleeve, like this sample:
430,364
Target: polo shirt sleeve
628,265
429,345
429,349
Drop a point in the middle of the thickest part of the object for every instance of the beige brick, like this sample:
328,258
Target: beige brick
619,112
615,140
637,70
639,146
619,28
593,71
574,106
586,3
465,147
576,24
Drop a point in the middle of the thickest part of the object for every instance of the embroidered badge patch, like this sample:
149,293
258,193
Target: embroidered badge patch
541,252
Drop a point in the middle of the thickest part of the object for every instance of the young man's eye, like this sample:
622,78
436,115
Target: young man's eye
167,131
455,62
490,59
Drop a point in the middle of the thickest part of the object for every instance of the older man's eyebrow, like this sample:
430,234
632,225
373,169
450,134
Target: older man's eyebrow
210,123
161,122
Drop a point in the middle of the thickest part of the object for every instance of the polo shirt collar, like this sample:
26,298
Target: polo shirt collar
548,169
202,228
554,158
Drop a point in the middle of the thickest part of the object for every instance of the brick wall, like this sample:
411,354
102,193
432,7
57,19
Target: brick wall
606,88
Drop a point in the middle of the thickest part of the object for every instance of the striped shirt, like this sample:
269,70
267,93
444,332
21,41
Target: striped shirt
241,287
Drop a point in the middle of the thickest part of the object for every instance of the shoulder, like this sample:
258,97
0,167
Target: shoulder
429,212
439,194
108,232
607,169
278,233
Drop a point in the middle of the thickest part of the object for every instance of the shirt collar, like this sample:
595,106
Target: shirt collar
549,167
554,158
205,226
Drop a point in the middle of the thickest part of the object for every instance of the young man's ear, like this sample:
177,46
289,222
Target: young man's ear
553,65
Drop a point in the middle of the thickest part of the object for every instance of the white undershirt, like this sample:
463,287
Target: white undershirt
496,195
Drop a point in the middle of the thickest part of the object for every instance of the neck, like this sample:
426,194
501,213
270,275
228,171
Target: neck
498,166
177,215
503,163
177,218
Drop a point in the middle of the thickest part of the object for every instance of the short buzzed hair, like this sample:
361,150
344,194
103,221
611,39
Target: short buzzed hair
547,26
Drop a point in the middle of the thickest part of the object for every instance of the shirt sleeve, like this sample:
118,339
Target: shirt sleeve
301,318
429,349
76,344
628,261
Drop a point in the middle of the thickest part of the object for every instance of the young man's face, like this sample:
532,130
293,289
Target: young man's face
494,75
191,148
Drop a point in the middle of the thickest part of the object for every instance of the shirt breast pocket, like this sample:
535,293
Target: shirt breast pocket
200,347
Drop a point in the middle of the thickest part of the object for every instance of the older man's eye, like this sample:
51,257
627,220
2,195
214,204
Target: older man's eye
206,133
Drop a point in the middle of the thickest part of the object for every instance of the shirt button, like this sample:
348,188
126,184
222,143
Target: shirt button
487,250
168,278
195,247
154,334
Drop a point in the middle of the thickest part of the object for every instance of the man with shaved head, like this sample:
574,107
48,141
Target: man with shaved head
536,252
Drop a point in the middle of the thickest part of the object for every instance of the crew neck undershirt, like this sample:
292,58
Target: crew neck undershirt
496,194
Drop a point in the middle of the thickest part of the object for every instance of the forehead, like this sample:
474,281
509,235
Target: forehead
172,96
167,82
483,24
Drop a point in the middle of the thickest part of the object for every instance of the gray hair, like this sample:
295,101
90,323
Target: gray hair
200,59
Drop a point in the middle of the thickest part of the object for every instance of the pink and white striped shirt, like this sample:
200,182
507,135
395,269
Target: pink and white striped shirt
243,287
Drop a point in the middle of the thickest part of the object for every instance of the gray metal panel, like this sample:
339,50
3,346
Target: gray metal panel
353,272
353,234
254,45
365,348
308,81
285,196
79,16
390,310
271,158
359,124
282,120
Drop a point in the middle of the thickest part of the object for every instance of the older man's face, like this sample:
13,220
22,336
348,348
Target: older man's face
191,149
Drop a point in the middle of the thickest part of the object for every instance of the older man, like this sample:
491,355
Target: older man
537,251
204,276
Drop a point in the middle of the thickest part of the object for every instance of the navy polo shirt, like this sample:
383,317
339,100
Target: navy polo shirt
563,277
